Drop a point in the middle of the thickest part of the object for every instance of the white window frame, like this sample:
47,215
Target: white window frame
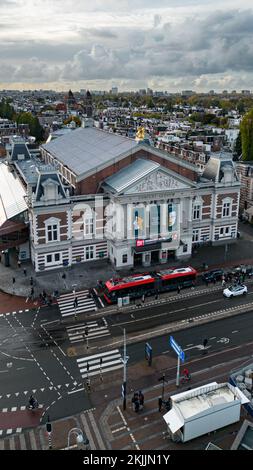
89,221
226,207
197,209
49,224
195,235
53,262
88,251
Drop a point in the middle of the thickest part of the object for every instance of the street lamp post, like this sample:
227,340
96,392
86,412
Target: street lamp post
75,298
125,359
81,438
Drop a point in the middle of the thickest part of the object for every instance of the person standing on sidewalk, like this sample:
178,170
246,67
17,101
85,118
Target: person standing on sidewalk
160,404
141,400
178,289
19,263
24,271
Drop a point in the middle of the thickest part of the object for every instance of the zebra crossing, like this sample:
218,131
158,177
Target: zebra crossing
77,333
85,303
99,363
37,438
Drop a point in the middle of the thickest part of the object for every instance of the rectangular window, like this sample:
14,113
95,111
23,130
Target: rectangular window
57,257
222,231
52,233
195,235
88,226
226,209
196,212
49,258
89,252
227,230
124,258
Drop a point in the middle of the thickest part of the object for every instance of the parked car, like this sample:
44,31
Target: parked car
234,291
215,274
242,269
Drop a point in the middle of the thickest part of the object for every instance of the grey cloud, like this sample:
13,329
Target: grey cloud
218,44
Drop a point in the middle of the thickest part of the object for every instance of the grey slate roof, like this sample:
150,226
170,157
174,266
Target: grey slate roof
20,149
12,194
85,149
131,174
217,164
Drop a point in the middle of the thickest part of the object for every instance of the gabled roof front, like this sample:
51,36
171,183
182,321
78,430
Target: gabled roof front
145,176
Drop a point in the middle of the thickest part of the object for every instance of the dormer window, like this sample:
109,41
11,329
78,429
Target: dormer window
51,192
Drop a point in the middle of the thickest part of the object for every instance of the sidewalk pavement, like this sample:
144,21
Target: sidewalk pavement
86,275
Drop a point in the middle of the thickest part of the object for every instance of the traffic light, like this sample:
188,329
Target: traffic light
205,341
88,366
86,331
101,360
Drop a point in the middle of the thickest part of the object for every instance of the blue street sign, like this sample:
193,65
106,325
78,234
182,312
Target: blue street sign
123,390
148,353
148,350
178,350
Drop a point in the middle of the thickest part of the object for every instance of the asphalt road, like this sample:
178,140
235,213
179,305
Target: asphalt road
222,334
33,347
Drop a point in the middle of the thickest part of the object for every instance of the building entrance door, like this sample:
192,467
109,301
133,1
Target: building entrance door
137,259
155,257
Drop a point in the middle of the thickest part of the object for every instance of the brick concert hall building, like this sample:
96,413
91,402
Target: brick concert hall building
94,194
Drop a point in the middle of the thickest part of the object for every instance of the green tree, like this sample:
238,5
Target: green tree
6,110
36,129
238,145
246,129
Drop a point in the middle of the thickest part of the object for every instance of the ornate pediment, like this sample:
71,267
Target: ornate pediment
157,181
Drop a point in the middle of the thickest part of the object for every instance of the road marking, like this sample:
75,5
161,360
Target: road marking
235,331
75,391
121,415
206,303
119,429
213,337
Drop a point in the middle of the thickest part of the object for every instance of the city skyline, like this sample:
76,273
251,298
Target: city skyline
191,44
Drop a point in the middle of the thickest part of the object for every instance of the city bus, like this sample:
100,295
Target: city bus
137,285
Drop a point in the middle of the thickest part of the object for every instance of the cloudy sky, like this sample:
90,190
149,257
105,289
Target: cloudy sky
162,44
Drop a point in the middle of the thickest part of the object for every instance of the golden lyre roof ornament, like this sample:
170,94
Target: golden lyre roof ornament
140,134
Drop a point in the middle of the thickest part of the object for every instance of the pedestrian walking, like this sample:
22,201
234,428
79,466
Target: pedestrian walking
31,281
223,282
135,399
156,296
137,406
32,292
13,280
141,400
143,298
160,404
207,283
178,289
24,271
19,263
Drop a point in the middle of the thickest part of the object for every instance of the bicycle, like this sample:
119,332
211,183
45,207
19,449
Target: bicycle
33,406
185,379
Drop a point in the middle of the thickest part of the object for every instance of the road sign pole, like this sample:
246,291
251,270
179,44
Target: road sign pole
178,371
124,376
